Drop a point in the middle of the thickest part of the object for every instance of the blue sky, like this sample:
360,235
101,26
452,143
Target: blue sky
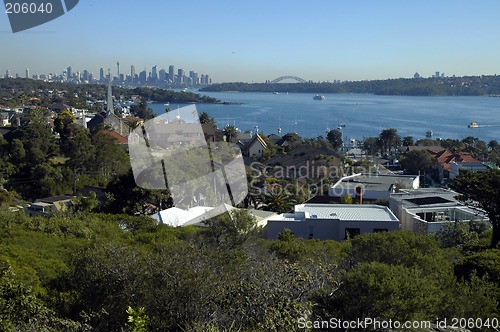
262,40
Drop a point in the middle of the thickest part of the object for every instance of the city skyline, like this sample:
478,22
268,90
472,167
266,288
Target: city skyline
259,41
154,76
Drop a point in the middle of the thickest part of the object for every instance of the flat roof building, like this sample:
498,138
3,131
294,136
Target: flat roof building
332,221
428,210
373,186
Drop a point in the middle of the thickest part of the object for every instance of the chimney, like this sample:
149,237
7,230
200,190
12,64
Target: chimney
359,194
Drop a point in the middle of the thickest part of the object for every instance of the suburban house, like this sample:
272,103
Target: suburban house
212,134
58,107
6,117
427,210
256,146
119,138
332,221
445,158
49,205
111,120
244,138
373,186
197,215
456,167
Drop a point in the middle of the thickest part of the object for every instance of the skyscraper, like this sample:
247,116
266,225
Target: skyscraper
132,71
171,75
180,76
162,75
69,73
27,73
101,74
154,73
85,75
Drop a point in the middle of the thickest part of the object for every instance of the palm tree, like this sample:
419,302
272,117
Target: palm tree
390,139
231,133
279,201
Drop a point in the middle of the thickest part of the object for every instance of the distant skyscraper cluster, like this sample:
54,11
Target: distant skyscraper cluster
155,77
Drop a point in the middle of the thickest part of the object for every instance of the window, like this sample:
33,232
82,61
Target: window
311,232
351,233
380,230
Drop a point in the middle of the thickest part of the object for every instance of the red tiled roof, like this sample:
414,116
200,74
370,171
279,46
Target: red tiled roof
446,157
114,134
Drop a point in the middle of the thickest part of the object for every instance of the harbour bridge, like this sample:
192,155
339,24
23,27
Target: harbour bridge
295,78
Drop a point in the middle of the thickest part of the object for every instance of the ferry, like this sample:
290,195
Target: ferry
473,125
319,97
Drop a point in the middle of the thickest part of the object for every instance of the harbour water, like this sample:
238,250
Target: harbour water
364,115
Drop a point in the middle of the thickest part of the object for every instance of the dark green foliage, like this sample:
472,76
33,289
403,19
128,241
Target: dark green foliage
92,268
482,189
485,263
417,162
335,138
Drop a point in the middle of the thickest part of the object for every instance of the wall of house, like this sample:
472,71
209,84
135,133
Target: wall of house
326,229
256,150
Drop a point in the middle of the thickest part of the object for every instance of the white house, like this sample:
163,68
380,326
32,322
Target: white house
477,166
196,215
427,210
256,146
373,186
332,221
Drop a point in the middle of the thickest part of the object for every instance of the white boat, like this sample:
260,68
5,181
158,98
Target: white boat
428,133
319,97
473,125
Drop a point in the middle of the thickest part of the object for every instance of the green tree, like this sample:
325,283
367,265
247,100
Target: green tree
63,121
408,141
231,133
232,228
390,139
279,201
482,190
384,291
371,145
346,199
137,319
205,118
417,162
335,138
110,159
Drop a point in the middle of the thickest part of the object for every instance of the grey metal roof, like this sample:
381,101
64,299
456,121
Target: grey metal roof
343,212
376,181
